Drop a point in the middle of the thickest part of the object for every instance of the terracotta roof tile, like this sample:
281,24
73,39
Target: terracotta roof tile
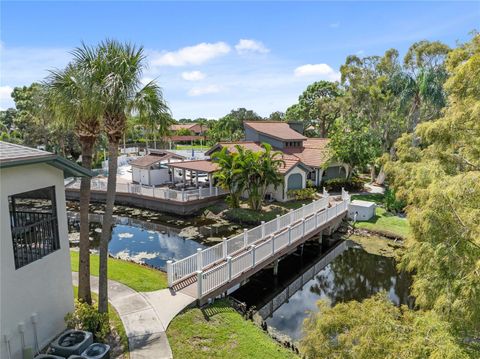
276,129
314,152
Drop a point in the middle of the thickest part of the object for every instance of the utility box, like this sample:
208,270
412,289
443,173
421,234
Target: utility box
363,210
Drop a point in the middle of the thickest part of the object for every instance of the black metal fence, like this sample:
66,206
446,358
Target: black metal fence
34,235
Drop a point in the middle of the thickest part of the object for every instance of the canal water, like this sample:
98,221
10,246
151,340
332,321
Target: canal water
349,273
336,270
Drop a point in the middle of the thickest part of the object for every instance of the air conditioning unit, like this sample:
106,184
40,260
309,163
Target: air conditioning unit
97,351
71,342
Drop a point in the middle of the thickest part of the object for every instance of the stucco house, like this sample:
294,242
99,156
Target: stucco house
305,158
35,273
152,169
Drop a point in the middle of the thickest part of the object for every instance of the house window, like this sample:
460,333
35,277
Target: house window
34,225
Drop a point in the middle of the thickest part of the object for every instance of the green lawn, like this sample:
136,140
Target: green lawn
136,276
115,321
386,223
371,197
218,331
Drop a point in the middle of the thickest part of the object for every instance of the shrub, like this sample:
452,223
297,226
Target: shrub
86,317
391,203
336,184
310,184
302,194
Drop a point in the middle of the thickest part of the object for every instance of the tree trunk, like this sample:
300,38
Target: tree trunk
107,225
124,144
323,130
84,293
372,173
416,119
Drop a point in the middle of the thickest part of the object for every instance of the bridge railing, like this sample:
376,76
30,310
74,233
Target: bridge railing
267,248
203,259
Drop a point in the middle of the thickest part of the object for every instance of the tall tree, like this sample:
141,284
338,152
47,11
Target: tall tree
117,69
440,180
228,175
318,106
377,329
77,102
420,84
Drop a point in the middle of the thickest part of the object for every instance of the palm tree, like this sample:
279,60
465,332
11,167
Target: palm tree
117,69
420,84
260,170
76,102
229,175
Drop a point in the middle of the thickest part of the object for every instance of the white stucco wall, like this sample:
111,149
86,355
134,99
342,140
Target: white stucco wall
280,194
150,177
43,286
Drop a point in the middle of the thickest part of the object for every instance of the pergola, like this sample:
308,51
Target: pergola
197,166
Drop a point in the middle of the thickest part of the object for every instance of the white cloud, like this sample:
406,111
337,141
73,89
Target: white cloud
245,46
198,91
321,70
193,75
5,98
191,55
335,25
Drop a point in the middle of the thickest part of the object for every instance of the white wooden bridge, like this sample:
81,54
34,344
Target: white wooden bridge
214,270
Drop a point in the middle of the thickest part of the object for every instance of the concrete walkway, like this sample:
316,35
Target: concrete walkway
145,316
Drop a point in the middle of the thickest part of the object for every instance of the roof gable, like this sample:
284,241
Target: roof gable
276,129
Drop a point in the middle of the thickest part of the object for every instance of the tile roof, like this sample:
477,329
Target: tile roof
314,152
204,166
13,152
275,129
178,127
154,157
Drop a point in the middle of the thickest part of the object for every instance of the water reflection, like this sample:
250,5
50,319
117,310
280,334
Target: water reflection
140,241
353,274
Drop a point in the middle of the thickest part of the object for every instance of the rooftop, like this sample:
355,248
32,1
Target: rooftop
12,152
153,157
203,166
276,129
12,155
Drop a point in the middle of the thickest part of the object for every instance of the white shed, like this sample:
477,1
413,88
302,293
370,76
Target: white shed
152,170
363,209
35,274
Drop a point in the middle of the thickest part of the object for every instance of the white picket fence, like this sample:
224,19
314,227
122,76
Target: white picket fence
151,191
217,265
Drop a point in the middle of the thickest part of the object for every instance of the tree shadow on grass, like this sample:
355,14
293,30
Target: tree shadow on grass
218,307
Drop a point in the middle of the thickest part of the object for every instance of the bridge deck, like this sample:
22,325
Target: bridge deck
216,269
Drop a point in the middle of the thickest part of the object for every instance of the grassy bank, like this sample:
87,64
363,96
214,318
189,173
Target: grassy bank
218,331
384,223
136,276
115,323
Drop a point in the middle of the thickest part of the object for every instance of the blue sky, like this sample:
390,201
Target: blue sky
211,57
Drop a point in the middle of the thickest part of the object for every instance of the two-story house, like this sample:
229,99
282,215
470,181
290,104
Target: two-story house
305,158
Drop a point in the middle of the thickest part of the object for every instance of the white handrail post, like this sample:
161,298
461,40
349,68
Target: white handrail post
273,245
153,190
303,210
245,237
336,209
229,265
199,284
183,195
169,273
289,234
253,254
128,187
224,248
303,227
199,259
263,229
278,222
316,219
199,193
216,191
325,193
